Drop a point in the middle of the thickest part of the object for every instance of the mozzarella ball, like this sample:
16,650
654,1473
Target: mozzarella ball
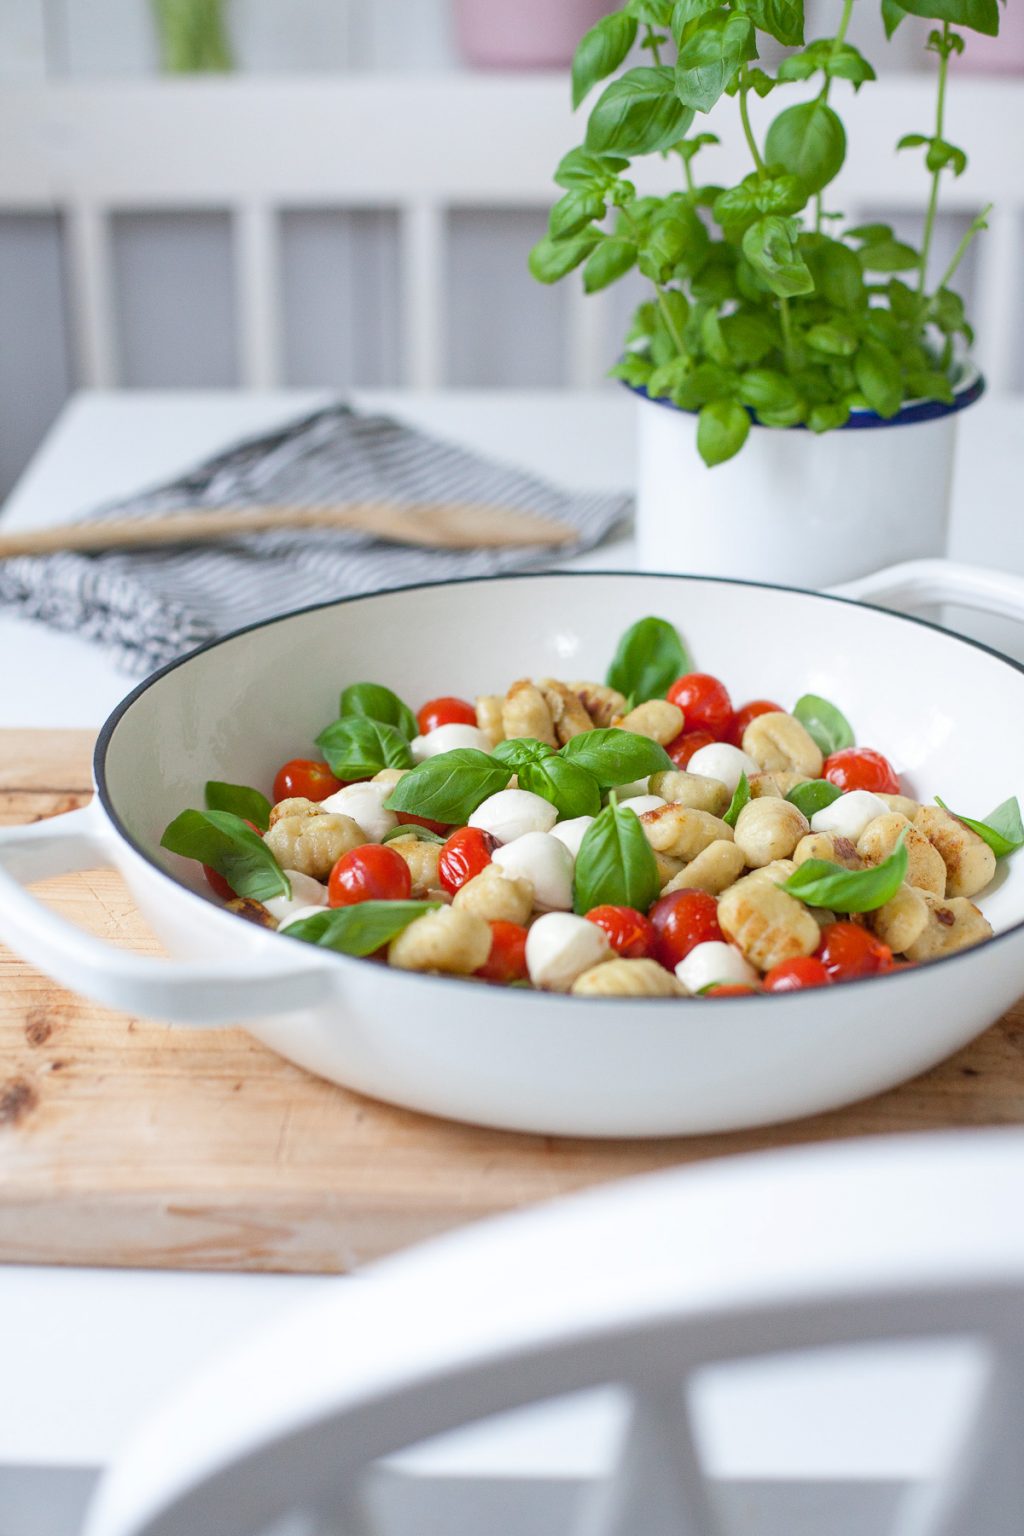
306,892
560,947
642,803
365,804
572,832
546,863
446,738
511,813
708,963
720,761
849,815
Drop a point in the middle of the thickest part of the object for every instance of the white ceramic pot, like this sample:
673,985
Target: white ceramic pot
948,712
792,506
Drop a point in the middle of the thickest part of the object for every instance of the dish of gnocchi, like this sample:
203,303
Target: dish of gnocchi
640,837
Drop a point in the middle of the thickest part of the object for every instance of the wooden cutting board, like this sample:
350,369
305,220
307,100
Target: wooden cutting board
130,1143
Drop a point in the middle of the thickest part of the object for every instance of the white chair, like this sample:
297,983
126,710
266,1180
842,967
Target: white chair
641,1284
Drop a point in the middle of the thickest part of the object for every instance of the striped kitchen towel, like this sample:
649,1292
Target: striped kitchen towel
150,606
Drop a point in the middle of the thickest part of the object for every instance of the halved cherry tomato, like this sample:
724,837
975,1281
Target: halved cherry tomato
445,711
404,819
630,933
305,778
731,989
681,921
796,975
464,855
862,768
685,745
371,873
743,716
847,951
704,701
507,959
217,882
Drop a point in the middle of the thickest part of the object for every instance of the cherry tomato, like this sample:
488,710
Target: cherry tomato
731,989
217,882
847,951
862,768
310,780
404,819
742,718
507,959
704,701
682,920
445,711
630,933
684,746
795,975
464,855
374,872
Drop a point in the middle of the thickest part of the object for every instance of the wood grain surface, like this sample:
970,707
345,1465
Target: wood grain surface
132,1143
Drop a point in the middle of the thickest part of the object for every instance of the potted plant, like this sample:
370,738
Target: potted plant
799,378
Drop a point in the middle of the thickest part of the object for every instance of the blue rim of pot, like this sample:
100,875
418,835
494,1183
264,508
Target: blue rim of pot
969,387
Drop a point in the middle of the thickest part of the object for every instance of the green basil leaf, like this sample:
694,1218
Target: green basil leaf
879,379
573,212
615,864
741,797
710,57
813,796
1002,828
649,658
782,19
376,702
411,829
360,929
357,748
585,172
638,114
450,786
809,141
610,260
240,801
979,15
820,883
550,259
824,723
515,754
685,11
838,276
889,256
722,429
572,790
613,756
600,51
224,842
770,247
892,14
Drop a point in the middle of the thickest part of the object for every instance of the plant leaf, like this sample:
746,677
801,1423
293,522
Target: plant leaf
608,262
520,750
357,748
711,56
820,883
649,657
600,51
613,756
360,929
741,797
809,141
782,19
413,830
878,378
550,260
770,247
224,842
824,723
814,796
638,114
979,15
615,864
449,787
376,702
1002,828
569,787
240,801
722,429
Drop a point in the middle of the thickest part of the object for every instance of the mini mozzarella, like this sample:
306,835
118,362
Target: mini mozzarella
708,963
720,761
511,813
446,738
560,947
631,790
849,815
546,863
642,803
365,804
572,832
306,893
298,915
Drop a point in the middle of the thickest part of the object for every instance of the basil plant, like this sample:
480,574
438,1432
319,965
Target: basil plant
765,305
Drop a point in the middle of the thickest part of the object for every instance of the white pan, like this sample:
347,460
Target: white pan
949,713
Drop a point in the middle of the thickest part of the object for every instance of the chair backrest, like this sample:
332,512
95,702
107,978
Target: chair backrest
642,1285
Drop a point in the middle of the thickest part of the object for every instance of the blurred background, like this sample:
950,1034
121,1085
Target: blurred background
325,192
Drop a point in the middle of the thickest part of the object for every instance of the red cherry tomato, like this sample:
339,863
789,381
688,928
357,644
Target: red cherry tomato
704,701
445,711
795,975
507,959
847,951
681,921
684,746
464,855
862,768
731,989
742,718
371,873
312,781
404,819
630,933
216,882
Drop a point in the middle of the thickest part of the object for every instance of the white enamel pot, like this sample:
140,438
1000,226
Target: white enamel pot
948,712
793,506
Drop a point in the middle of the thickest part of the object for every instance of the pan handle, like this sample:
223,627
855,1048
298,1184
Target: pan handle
917,583
253,984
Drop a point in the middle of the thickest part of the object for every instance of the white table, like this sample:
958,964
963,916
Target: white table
85,1353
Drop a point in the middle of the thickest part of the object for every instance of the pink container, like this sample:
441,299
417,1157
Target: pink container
524,34
1002,55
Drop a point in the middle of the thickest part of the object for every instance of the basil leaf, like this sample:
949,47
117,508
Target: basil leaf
710,57
450,786
360,929
240,801
1002,828
740,798
376,702
824,723
515,754
410,829
722,429
357,748
981,15
615,864
614,756
820,883
638,114
600,51
814,796
808,141
224,842
570,789
650,656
